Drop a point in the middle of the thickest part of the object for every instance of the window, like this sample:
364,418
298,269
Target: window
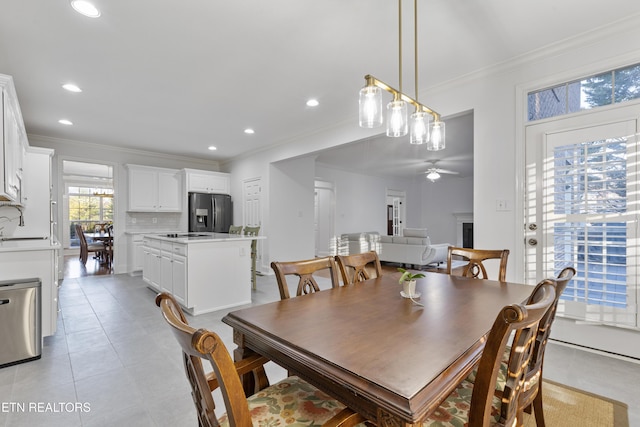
89,206
595,91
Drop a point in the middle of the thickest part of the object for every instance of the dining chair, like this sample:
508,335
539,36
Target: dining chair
475,267
108,247
532,393
86,248
358,267
304,270
235,229
290,400
253,231
474,404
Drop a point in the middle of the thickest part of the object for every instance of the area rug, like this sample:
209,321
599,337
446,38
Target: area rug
569,407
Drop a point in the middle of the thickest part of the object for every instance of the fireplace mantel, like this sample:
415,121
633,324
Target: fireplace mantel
461,218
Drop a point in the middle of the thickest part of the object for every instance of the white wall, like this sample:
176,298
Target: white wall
117,157
440,200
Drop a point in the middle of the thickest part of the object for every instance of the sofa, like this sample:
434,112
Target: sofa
414,247
357,243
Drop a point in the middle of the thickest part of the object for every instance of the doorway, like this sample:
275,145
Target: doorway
324,218
88,201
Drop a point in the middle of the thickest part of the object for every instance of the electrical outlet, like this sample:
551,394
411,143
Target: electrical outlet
501,205
154,220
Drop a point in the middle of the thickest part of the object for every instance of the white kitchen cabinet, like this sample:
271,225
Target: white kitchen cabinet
154,189
152,264
199,181
135,261
13,142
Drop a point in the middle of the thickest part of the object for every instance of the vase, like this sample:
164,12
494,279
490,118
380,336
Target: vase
409,288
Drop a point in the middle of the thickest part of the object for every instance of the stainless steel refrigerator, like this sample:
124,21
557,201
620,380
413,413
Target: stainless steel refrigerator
210,212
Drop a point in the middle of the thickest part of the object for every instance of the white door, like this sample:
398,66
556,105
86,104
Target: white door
252,214
582,210
324,218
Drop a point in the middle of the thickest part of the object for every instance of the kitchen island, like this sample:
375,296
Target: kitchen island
205,272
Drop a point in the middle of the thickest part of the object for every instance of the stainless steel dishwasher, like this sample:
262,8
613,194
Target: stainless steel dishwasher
20,322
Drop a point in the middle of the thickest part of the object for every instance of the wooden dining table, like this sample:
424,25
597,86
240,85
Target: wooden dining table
377,352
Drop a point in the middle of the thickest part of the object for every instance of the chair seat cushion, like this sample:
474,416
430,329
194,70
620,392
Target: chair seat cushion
291,402
454,411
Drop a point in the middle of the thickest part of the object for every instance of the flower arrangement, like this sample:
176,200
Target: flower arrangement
408,276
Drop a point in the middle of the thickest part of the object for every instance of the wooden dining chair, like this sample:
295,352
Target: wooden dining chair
532,392
358,267
475,404
86,248
304,270
531,398
290,400
108,247
475,261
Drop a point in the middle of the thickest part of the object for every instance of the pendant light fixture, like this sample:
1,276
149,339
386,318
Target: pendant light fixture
422,131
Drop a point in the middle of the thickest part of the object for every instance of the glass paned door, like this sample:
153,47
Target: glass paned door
582,210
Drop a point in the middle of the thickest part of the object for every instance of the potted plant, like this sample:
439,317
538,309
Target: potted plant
408,282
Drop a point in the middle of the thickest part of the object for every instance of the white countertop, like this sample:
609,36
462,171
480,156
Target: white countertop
28,245
198,237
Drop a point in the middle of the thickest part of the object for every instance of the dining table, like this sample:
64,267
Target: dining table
380,354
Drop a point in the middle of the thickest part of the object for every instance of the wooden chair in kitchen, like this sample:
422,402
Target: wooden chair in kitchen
358,267
235,229
476,257
475,403
253,231
86,248
304,270
200,346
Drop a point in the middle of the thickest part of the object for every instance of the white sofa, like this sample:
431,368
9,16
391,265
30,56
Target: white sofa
357,243
413,247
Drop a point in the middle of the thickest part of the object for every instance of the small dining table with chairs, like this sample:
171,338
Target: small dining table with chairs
380,354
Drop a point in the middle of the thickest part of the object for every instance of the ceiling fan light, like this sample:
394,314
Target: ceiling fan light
433,175
370,111
397,125
436,140
418,128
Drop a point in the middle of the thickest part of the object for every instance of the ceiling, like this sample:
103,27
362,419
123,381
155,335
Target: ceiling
177,77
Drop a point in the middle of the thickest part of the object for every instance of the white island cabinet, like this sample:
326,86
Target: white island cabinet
205,272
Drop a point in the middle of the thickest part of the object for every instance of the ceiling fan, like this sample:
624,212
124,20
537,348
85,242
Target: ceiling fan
433,173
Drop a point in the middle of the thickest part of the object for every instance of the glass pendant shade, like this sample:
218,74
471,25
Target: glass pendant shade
397,124
436,136
418,128
370,107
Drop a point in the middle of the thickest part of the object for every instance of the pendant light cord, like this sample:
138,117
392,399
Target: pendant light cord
415,44
400,44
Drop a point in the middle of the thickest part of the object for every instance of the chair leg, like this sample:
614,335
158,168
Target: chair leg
537,407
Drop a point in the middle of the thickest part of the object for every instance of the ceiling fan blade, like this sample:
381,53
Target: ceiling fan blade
447,171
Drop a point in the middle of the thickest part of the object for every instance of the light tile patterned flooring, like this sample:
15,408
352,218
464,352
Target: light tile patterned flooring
113,353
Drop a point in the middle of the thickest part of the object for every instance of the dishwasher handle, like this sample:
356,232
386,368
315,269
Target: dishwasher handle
5,301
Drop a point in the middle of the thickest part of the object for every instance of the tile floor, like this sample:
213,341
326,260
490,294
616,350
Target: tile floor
114,357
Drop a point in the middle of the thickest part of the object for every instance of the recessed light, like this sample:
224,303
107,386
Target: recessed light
71,87
312,103
249,131
85,8
213,148
65,122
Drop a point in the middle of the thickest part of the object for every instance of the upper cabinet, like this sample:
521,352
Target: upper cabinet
199,181
14,143
154,189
